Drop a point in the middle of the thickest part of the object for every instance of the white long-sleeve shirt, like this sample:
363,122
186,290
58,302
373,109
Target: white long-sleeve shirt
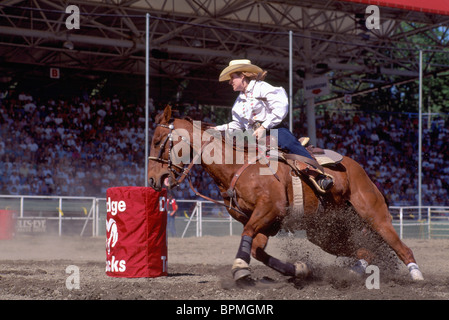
261,102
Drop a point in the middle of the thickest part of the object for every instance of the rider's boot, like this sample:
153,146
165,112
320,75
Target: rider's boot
322,181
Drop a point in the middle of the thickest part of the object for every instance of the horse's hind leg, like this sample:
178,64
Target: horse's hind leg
298,269
371,206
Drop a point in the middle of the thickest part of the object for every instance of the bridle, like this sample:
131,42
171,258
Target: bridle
184,172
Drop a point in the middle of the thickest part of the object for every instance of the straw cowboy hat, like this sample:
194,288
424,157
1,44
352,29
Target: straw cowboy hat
242,65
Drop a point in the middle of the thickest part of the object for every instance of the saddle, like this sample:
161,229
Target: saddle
311,168
322,157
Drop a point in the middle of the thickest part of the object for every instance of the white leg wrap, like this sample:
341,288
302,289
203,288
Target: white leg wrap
415,273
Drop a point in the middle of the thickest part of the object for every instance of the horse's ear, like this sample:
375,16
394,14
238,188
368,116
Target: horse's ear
167,113
164,117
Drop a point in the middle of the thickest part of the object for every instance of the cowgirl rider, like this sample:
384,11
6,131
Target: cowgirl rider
260,107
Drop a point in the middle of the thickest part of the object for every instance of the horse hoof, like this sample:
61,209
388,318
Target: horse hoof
415,273
240,274
301,270
240,269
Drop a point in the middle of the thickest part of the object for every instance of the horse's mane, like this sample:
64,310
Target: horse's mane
207,125
204,125
232,142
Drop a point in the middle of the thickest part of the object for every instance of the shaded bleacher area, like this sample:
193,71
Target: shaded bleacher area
82,146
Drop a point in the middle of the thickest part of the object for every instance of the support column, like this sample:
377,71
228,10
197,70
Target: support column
310,108
311,121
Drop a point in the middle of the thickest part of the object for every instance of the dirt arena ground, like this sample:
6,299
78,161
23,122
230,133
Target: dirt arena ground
34,268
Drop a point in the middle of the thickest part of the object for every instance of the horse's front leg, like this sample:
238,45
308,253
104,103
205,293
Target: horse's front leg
253,243
256,248
240,268
259,220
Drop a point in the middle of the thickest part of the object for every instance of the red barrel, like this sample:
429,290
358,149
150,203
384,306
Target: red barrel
7,224
136,245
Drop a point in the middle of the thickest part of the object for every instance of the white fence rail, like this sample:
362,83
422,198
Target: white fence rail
86,216
424,223
51,214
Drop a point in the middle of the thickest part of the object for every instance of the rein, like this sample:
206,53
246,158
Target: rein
185,171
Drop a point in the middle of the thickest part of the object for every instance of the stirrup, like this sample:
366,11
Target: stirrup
302,168
322,188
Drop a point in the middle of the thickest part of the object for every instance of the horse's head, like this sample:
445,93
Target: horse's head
163,168
159,173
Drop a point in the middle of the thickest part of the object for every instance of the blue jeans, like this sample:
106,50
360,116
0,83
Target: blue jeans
171,224
287,141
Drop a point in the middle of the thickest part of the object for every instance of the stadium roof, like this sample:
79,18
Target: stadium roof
191,41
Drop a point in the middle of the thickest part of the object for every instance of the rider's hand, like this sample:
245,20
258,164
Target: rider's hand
260,132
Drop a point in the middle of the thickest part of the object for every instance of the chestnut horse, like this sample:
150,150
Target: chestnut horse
338,222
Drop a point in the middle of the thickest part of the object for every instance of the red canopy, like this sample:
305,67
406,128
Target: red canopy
430,6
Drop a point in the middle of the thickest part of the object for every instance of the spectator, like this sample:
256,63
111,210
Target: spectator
172,208
106,149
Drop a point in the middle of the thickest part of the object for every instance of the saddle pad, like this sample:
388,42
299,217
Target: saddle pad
328,157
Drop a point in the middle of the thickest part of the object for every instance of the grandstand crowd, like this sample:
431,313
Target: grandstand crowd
82,146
